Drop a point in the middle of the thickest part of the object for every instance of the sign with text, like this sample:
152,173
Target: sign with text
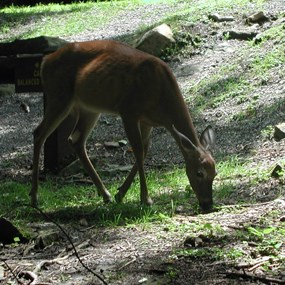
27,73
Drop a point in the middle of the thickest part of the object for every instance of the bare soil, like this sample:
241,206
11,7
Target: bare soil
145,254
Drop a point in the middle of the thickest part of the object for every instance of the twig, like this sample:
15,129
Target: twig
255,266
247,205
33,277
128,263
251,265
10,269
87,229
72,244
250,276
48,262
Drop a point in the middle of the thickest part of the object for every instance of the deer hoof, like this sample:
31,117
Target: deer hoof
118,198
147,201
107,199
34,202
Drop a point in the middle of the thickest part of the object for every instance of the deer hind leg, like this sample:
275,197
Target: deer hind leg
53,117
139,137
84,126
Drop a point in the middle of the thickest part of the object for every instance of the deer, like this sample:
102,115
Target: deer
85,79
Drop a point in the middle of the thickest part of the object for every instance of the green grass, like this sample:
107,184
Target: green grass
201,9
63,199
234,81
168,188
58,20
63,20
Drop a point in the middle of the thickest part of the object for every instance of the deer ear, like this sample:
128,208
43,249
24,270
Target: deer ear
208,138
185,142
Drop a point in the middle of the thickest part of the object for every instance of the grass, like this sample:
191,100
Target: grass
234,82
83,201
169,190
58,20
63,20
201,9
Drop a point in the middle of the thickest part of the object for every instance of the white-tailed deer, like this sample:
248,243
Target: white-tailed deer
104,76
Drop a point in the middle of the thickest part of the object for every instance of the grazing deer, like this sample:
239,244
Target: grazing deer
89,78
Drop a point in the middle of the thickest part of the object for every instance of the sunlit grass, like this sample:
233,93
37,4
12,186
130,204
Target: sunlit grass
168,188
233,81
63,20
70,200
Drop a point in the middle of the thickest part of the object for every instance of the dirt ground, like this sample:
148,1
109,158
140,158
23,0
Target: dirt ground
144,254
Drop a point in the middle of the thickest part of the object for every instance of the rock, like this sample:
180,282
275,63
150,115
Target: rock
46,238
2,271
112,169
279,132
123,142
83,222
240,35
111,145
218,18
193,242
156,40
186,70
25,107
258,17
276,171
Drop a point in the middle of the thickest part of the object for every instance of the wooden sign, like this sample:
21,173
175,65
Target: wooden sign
27,73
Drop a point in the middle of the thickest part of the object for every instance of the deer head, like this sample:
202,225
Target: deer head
200,166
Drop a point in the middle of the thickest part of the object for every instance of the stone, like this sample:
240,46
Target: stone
156,40
46,238
111,145
244,35
258,17
218,18
277,170
279,132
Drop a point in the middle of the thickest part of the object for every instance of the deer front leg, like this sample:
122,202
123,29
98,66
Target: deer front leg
78,139
123,189
35,175
139,140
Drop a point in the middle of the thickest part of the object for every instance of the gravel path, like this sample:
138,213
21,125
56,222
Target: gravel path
129,21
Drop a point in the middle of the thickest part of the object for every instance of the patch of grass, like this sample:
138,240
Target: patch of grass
64,20
234,172
239,81
214,253
58,20
200,10
268,239
167,188
64,201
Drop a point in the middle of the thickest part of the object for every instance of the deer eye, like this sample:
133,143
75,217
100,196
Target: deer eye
200,174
